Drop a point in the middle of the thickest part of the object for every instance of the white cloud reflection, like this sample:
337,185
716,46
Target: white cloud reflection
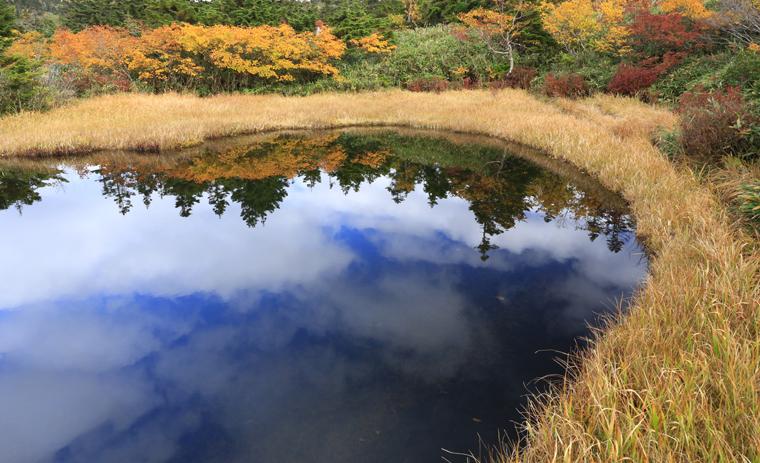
88,368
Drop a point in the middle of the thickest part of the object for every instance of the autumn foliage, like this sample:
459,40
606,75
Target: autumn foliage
583,25
520,77
501,30
565,85
630,79
656,34
613,26
374,43
430,84
97,55
179,56
715,123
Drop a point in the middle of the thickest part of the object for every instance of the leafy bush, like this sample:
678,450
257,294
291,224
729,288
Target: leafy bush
657,34
669,143
520,77
631,79
430,84
717,123
565,85
436,51
595,68
694,71
743,71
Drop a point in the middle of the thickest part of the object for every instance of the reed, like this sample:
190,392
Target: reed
676,379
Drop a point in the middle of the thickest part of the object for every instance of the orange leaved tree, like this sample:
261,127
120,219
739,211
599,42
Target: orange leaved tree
98,55
185,56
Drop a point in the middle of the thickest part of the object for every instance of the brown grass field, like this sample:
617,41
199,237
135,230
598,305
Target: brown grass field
677,379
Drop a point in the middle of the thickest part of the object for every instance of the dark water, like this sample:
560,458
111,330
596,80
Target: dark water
350,297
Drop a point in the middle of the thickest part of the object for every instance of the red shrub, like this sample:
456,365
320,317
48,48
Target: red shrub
630,79
716,123
565,85
520,77
432,84
469,83
657,34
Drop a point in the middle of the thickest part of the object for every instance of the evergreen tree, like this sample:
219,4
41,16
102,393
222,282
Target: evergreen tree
300,15
7,23
441,11
351,19
19,77
156,13
79,14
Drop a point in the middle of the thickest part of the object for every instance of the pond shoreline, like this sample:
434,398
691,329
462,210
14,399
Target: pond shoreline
673,379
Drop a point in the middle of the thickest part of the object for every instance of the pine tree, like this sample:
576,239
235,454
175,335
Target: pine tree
7,23
19,83
440,11
79,14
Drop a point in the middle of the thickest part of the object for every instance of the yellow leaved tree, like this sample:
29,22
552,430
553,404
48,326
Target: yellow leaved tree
218,57
580,25
692,9
374,43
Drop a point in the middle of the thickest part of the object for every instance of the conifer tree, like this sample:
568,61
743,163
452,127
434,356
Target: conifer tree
78,14
7,23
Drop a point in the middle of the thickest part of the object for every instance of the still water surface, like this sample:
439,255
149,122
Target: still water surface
327,297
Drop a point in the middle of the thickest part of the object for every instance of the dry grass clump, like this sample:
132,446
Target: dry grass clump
677,379
152,123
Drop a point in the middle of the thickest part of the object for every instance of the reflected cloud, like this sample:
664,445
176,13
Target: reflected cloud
349,316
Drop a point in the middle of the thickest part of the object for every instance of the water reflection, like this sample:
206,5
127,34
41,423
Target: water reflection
383,296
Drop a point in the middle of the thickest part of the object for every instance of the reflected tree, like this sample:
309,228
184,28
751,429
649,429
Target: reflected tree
120,186
19,187
186,193
501,189
257,198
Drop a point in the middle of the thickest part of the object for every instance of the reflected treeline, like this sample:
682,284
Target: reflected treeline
19,186
501,189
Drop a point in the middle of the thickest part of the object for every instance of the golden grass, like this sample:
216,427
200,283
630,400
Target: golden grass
676,380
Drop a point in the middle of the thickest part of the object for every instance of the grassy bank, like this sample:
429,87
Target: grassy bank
677,379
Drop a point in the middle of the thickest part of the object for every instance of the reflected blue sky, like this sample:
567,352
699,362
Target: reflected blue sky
346,328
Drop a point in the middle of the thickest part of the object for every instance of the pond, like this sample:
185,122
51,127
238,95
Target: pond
354,296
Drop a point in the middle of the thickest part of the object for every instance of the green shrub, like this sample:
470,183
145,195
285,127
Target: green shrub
750,202
695,71
20,86
596,69
669,143
357,76
743,71
435,51
726,69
